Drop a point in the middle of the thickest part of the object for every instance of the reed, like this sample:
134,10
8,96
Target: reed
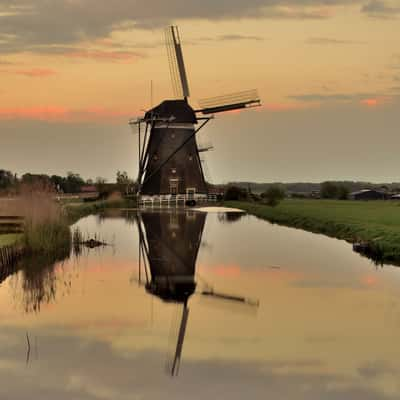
46,229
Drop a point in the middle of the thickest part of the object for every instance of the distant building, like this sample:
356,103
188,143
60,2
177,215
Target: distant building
89,192
395,197
368,194
88,189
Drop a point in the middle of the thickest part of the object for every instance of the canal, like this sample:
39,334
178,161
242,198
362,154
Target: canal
132,320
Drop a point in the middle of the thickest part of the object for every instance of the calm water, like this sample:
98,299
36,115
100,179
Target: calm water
327,326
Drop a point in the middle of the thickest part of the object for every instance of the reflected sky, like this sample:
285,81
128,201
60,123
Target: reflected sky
327,325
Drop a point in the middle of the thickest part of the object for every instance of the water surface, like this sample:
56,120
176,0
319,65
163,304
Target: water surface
327,326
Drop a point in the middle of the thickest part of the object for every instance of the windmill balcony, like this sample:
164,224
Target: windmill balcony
179,200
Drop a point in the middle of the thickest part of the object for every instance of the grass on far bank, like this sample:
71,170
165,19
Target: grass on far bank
8,239
375,222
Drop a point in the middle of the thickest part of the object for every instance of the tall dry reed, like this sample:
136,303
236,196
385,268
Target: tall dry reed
46,228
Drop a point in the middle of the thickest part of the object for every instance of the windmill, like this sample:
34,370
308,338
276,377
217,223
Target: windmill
169,242
169,161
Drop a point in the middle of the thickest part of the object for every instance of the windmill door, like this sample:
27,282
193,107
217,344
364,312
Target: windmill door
173,186
190,193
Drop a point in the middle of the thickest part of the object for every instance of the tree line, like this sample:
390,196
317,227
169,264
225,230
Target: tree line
71,183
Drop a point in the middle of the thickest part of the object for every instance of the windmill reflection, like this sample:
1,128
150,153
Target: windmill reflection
168,246
169,243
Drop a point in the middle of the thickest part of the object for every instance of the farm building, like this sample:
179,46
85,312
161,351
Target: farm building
368,194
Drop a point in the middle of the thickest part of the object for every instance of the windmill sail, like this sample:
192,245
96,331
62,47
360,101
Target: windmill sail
179,344
176,63
228,102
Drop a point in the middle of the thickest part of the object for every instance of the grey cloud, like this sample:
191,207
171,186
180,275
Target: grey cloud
331,41
228,38
376,369
339,97
235,37
42,22
381,9
329,97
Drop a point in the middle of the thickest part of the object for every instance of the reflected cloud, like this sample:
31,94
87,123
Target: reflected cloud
91,370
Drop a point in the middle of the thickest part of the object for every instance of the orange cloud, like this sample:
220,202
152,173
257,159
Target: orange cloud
375,101
63,114
369,102
227,270
369,280
101,55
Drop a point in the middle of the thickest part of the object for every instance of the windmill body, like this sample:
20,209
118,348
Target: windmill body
174,126
169,162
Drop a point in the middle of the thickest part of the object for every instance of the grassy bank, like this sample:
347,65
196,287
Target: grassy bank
9,239
375,222
75,211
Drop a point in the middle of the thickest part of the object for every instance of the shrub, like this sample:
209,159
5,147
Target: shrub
273,196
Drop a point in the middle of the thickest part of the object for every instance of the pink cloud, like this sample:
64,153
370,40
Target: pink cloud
35,72
49,113
63,114
101,55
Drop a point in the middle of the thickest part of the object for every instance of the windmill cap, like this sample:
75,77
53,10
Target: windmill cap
176,110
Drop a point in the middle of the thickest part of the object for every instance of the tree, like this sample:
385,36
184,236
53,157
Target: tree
58,182
273,195
330,190
343,192
101,186
73,182
124,182
7,179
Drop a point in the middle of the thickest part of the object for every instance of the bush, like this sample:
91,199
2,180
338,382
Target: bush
235,193
273,196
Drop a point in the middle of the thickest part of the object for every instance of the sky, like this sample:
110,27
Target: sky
73,72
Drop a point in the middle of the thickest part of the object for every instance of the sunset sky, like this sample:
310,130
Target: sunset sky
73,72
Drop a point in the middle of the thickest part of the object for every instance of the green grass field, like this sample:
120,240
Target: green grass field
375,222
8,239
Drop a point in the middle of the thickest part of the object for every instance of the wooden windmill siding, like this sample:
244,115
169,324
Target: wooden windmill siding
182,171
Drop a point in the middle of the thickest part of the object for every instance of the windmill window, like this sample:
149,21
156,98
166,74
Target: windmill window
173,170
190,158
173,135
155,157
